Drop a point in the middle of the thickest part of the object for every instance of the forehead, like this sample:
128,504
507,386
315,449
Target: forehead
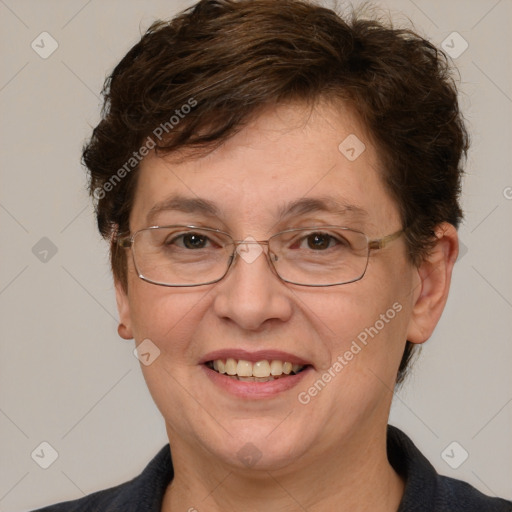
290,160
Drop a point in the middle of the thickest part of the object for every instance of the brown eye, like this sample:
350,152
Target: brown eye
194,241
188,241
319,241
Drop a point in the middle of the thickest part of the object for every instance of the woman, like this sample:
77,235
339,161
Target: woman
280,190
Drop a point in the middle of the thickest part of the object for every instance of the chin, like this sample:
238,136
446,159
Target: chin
260,448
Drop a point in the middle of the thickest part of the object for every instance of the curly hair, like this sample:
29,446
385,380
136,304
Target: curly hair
194,81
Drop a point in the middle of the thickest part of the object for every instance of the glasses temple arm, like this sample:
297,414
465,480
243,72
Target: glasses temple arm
382,242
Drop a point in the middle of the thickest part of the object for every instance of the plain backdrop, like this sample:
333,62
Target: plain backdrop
67,379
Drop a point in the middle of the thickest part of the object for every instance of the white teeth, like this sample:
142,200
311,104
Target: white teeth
244,368
260,371
276,368
287,368
230,366
221,367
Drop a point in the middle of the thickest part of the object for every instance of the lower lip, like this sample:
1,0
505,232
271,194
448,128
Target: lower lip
255,390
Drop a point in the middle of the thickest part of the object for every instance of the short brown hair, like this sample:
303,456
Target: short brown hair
229,59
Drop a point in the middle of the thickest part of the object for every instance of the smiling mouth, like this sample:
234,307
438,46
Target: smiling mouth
260,371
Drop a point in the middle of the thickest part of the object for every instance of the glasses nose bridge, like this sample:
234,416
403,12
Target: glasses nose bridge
236,253
236,243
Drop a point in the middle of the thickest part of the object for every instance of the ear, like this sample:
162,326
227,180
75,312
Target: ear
433,283
123,307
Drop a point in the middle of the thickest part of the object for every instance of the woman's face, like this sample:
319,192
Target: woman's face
351,337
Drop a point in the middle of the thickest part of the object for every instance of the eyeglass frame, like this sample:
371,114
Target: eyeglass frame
127,242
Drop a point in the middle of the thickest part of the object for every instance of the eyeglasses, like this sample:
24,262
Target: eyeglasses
195,256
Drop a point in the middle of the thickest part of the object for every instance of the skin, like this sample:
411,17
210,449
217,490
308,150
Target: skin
331,453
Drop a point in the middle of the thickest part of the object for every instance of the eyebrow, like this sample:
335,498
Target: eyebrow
320,204
184,204
298,207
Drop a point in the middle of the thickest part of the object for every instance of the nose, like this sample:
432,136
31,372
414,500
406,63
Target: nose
251,294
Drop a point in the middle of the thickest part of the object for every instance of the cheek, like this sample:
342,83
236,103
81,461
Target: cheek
166,316
170,319
364,325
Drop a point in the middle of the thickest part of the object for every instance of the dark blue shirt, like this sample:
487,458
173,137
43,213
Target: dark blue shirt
425,490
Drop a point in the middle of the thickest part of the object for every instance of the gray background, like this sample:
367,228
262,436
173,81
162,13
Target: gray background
67,379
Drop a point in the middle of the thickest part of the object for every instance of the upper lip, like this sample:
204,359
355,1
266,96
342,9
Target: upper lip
258,355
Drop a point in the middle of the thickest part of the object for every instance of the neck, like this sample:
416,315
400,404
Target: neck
356,477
